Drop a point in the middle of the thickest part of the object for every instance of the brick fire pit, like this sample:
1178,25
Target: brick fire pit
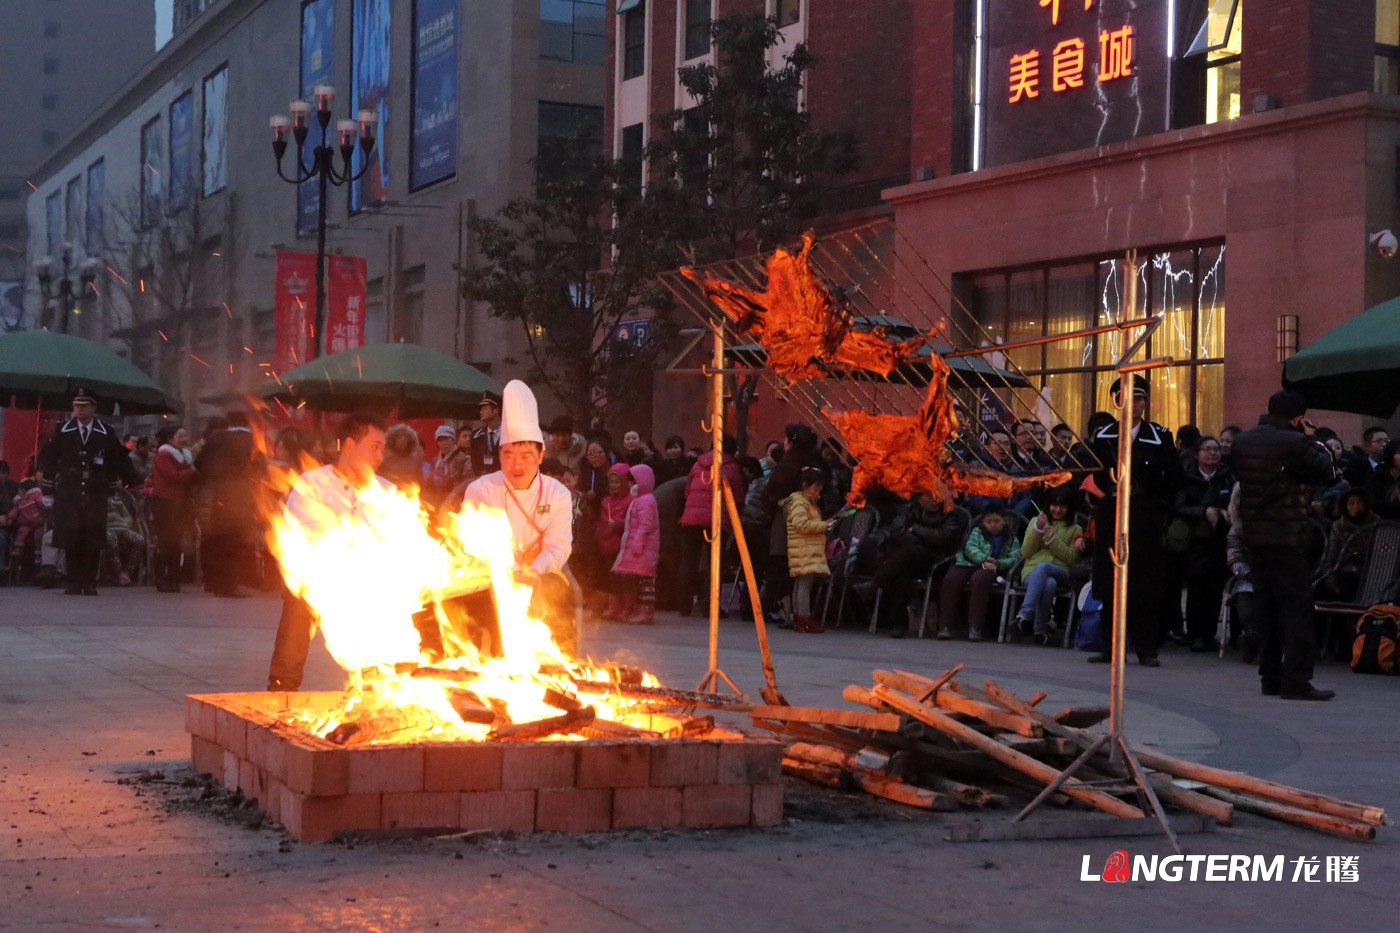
317,789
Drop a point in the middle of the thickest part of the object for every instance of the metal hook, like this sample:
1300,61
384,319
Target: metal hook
708,536
707,425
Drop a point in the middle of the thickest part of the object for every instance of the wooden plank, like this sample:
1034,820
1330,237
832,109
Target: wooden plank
899,792
955,700
819,734
1072,827
1259,787
1023,763
1170,792
824,775
853,719
1335,825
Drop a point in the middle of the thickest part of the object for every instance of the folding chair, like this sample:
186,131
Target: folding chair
1379,572
852,530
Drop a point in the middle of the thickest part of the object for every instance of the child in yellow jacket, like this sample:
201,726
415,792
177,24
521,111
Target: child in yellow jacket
806,544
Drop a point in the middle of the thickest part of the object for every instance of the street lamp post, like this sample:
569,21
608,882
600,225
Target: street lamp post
57,284
321,167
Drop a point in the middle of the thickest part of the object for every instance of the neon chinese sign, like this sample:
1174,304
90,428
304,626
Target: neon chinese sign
1068,74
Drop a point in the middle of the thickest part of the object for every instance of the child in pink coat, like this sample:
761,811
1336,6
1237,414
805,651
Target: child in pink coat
641,549
27,516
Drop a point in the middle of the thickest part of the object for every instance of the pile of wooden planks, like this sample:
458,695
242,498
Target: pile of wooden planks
941,744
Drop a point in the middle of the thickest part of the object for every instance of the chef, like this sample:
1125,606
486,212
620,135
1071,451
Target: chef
538,507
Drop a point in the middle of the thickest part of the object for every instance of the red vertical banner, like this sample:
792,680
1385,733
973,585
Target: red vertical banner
294,304
345,302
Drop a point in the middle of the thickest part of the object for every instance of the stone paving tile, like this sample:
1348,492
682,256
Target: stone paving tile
108,677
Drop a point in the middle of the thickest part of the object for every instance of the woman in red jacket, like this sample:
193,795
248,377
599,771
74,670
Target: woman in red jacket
172,515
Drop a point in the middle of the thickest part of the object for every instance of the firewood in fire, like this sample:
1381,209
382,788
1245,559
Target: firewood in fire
560,700
665,696
801,322
470,707
543,728
695,726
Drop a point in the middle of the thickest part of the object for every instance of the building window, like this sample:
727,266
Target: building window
788,12
51,29
50,65
49,102
1387,47
1210,66
697,27
572,31
49,138
560,124
693,164
634,42
1186,285
214,140
152,171
633,140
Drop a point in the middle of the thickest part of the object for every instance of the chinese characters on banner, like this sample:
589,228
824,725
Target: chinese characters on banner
295,306
1070,74
345,303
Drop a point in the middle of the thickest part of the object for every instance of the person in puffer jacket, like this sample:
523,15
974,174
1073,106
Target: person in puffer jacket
607,534
989,552
695,520
1276,463
641,549
806,543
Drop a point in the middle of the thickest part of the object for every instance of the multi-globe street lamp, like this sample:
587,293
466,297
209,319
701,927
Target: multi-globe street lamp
322,167
63,287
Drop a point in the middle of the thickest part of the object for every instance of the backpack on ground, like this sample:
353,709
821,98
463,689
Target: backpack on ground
1090,634
1376,647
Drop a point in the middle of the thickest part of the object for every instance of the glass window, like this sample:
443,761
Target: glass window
215,147
1387,76
1210,66
73,211
96,207
152,171
572,31
697,28
789,12
634,43
53,216
563,122
1186,285
50,102
632,142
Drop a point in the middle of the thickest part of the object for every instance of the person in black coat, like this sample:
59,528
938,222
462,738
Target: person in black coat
230,467
486,440
1203,503
1157,476
82,465
1276,463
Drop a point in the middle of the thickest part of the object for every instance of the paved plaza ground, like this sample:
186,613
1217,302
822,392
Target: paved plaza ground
91,694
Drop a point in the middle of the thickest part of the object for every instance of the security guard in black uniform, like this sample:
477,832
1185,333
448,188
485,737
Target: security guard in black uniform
81,466
486,440
1157,475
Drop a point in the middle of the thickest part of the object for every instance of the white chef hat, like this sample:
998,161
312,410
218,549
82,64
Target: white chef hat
520,414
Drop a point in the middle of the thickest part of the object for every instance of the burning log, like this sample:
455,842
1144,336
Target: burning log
470,708
562,701
607,729
443,673
665,696
690,728
543,728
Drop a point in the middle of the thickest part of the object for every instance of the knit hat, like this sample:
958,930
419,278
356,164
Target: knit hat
520,415
444,431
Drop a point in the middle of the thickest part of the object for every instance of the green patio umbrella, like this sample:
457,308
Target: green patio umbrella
413,381
1353,367
41,368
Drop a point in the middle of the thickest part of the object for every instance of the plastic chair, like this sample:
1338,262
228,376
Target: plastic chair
1379,573
851,531
964,519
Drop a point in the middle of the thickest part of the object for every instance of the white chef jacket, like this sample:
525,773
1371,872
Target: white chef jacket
553,515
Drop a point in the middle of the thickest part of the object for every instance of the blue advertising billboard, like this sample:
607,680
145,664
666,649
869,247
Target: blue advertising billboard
317,67
370,22
433,146
182,152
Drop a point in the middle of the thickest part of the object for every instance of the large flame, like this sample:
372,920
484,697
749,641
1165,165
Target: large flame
374,574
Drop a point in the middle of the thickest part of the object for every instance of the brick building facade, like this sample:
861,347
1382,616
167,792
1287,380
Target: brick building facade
1237,142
